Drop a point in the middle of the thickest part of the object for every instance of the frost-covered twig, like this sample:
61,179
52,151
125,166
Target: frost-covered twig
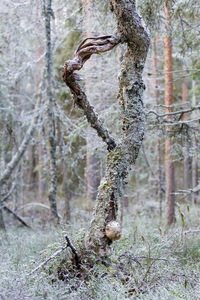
57,253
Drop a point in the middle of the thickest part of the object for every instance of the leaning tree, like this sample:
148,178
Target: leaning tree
122,153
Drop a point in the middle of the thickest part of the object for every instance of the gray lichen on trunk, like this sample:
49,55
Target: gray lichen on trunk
131,87
47,10
122,155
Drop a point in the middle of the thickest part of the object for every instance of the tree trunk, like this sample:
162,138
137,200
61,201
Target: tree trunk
186,164
67,198
106,224
168,69
51,116
159,183
107,220
194,144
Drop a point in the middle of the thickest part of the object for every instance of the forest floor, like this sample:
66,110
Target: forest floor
148,262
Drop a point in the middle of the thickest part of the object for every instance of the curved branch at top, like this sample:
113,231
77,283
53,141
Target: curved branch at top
84,51
86,48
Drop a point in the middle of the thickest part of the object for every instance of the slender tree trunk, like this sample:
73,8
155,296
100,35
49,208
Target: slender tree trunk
159,183
39,81
186,164
2,223
194,144
51,117
168,69
67,198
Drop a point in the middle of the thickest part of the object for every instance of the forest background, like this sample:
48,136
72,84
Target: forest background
51,161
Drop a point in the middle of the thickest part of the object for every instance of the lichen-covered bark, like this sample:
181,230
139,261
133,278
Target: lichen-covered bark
131,87
122,155
51,116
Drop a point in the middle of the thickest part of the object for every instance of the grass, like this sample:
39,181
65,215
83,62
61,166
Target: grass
150,261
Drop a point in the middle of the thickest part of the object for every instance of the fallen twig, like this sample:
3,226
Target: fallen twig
47,260
57,253
192,231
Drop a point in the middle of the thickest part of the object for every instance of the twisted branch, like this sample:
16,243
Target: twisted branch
84,51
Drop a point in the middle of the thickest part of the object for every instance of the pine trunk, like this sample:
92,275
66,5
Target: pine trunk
168,69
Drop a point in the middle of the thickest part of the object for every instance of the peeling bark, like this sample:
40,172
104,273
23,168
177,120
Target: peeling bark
123,155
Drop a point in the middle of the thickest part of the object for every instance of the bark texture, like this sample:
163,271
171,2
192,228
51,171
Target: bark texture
187,160
122,155
168,69
51,116
159,172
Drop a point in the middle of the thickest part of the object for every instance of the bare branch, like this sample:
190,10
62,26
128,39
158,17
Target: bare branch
57,253
9,210
173,113
84,51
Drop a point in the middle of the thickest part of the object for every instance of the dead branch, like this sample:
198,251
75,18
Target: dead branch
32,204
9,210
173,113
57,253
70,245
192,231
8,194
84,51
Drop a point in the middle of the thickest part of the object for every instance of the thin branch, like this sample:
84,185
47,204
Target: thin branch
9,193
18,155
173,113
9,210
192,231
57,253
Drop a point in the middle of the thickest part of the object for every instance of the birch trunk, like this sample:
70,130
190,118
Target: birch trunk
168,69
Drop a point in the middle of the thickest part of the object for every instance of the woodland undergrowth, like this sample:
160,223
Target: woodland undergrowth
150,261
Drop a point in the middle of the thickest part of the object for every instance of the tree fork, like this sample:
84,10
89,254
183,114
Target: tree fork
106,224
